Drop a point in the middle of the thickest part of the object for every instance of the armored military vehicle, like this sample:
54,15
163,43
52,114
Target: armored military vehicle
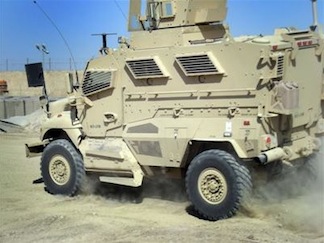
183,98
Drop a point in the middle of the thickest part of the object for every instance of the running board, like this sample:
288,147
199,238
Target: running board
135,181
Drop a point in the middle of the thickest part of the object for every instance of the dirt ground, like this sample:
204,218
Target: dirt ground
29,214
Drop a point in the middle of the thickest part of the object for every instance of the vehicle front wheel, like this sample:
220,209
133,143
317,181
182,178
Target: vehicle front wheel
217,184
62,168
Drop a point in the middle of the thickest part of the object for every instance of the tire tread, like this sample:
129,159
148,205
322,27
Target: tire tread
78,162
244,181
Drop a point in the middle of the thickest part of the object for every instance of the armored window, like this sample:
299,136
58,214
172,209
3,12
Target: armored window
96,80
167,10
146,68
199,64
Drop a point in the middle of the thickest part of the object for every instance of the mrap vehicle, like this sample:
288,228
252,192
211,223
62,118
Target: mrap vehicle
183,98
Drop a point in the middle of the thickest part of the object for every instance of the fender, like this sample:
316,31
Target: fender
63,122
237,148
53,128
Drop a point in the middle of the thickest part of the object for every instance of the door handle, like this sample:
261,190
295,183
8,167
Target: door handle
110,117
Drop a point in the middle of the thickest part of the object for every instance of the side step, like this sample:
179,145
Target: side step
136,181
131,178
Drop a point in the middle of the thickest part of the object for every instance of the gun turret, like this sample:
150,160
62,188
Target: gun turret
161,14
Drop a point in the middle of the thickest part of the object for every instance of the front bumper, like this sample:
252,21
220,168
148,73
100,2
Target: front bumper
35,149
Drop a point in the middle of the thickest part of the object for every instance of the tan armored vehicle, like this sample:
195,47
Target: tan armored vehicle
183,98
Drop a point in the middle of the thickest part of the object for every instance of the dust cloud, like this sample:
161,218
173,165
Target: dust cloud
295,201
159,188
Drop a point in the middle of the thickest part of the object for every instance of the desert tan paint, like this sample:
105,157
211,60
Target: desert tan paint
182,80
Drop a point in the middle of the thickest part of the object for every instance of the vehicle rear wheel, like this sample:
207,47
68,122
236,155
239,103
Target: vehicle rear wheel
217,184
62,168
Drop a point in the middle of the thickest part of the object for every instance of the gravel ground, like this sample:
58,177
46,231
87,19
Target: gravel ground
110,214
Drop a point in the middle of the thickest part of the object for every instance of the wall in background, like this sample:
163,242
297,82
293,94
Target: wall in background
18,86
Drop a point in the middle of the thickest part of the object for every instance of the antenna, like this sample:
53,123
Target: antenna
120,9
104,49
65,42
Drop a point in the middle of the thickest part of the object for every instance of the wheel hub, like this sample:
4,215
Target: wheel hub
212,186
59,170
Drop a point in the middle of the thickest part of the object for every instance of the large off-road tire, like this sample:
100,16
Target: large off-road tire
217,184
62,168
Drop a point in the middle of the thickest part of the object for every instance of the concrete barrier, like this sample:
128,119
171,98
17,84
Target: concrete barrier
14,106
22,100
17,106
31,104
2,108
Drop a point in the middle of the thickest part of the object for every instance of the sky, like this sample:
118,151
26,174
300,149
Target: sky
23,25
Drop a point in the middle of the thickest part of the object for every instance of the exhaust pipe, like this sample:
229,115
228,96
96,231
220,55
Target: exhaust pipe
315,19
272,155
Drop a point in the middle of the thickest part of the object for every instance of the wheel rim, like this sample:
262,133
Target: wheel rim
59,170
212,186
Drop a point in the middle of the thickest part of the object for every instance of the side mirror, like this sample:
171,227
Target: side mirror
35,74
